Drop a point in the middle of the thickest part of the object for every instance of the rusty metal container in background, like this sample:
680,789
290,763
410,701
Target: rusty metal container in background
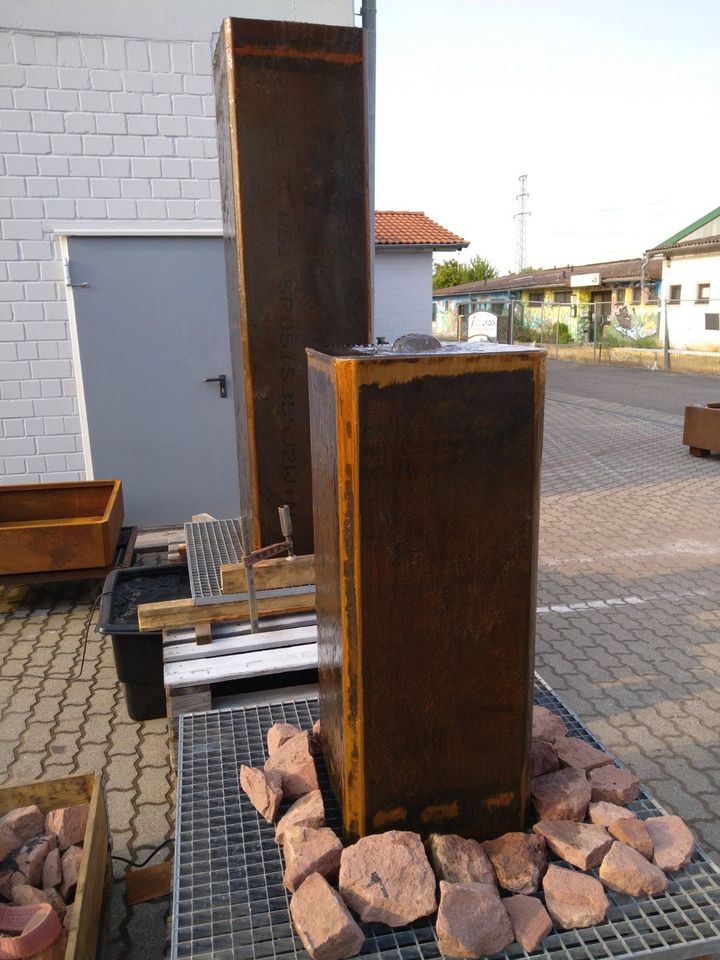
426,472
292,133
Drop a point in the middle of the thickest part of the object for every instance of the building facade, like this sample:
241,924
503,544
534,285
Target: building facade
691,284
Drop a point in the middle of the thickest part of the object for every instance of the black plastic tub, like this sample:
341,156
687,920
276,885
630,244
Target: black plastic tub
138,656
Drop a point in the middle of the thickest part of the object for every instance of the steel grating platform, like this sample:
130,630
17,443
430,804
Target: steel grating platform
209,544
229,900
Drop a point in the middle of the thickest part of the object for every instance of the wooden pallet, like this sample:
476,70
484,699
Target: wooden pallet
284,645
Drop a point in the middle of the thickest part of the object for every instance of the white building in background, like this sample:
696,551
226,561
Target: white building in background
107,129
691,284
404,244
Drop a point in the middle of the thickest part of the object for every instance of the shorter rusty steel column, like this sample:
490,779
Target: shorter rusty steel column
426,471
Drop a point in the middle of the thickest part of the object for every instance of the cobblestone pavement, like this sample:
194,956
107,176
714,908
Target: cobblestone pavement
629,610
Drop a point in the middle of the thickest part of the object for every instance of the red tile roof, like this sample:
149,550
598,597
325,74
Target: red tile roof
413,228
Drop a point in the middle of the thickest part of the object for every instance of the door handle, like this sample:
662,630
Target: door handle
221,380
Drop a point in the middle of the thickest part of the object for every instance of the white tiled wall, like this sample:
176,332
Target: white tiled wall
109,133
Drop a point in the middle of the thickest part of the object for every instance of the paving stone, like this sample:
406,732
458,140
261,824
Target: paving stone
563,795
673,841
574,900
459,860
582,844
530,920
614,785
574,752
386,878
323,922
604,813
635,834
307,850
519,861
471,921
624,870
543,758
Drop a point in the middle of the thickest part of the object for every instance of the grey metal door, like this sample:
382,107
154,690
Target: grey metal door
150,327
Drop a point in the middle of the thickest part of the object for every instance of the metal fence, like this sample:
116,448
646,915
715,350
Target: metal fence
662,334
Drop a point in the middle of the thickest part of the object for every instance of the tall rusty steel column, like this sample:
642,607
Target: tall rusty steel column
294,176
426,472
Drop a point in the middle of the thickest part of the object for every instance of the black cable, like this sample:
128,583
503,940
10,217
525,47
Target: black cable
149,857
66,676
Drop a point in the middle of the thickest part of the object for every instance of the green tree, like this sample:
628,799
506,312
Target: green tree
452,272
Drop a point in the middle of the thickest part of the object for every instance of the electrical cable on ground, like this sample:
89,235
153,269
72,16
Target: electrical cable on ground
149,857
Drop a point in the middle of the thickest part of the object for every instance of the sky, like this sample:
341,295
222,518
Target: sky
612,110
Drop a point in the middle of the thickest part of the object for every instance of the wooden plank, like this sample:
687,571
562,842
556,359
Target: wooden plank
47,794
176,635
184,613
248,643
148,883
203,633
235,666
269,574
84,927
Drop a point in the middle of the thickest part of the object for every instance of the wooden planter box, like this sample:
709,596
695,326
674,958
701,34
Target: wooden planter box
59,526
702,429
64,792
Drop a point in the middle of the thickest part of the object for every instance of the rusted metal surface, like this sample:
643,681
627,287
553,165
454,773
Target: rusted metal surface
293,170
426,485
701,430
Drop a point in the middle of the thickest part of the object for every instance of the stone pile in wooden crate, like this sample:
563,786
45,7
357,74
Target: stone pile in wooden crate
489,893
40,860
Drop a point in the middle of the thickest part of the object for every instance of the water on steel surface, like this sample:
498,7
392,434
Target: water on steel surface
230,902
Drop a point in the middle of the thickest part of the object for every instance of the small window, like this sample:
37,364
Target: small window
636,294
712,321
675,291
703,293
535,297
561,296
620,294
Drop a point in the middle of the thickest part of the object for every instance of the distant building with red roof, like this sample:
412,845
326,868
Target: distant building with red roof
404,244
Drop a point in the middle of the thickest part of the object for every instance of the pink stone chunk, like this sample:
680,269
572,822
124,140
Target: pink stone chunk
278,734
69,823
31,858
323,922
635,834
574,752
624,870
574,899
386,878
293,760
52,871
316,730
614,785
458,860
673,842
563,795
546,725
581,844
6,883
70,863
9,841
55,901
25,822
519,861
543,758
308,811
530,920
603,813
472,921
310,851
24,895
263,790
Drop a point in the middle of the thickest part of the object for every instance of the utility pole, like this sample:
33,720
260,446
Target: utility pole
520,217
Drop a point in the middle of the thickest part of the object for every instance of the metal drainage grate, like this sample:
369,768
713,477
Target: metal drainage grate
210,544
229,900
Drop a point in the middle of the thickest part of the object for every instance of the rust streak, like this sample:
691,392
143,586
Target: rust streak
288,53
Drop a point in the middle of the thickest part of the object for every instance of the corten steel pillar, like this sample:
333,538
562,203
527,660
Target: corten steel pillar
294,176
426,472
